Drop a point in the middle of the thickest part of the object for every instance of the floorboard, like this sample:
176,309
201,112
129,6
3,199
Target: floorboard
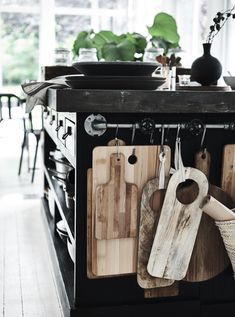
27,283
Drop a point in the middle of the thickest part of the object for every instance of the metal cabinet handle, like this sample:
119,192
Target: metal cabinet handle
52,119
69,132
59,126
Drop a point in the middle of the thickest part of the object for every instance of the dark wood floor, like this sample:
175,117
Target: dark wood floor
27,283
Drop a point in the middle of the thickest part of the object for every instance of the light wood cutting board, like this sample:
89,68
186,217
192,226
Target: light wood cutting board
119,256
116,204
177,229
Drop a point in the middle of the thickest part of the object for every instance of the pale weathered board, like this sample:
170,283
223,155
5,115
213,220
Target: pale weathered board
177,229
148,221
119,256
149,217
209,257
228,170
116,204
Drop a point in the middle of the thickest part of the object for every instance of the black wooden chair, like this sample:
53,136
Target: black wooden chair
10,101
32,123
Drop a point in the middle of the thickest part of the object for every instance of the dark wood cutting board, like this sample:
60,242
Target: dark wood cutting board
209,257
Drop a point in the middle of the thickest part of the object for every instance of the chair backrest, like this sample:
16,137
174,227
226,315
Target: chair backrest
33,120
10,100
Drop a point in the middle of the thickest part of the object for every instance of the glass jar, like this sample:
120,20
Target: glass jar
87,55
62,56
150,54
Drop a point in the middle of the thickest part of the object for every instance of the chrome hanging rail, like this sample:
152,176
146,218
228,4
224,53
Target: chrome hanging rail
96,125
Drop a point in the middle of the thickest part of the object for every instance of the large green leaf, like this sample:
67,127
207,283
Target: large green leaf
83,40
164,27
138,40
104,37
123,51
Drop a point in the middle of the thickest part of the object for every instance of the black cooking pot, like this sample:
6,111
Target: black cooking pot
62,164
67,179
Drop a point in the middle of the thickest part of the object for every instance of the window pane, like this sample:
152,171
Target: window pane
73,3
19,2
20,47
116,24
113,4
68,26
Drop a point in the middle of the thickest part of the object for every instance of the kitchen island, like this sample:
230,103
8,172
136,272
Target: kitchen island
77,121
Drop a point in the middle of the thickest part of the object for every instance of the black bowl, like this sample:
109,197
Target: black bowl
115,68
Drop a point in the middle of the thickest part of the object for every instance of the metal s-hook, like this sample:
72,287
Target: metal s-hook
162,139
133,133
202,144
162,158
132,158
117,141
178,131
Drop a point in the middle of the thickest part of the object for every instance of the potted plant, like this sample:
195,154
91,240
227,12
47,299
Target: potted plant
130,46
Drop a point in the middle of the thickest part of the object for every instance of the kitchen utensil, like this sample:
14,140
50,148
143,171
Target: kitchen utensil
121,68
228,170
149,216
209,257
216,209
119,256
177,229
116,204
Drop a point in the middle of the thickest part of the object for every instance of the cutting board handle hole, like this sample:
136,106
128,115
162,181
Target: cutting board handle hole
132,159
187,192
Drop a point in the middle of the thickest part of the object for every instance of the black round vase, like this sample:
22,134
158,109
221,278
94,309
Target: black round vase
206,69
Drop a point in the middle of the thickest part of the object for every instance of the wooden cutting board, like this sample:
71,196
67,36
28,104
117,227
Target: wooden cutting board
228,170
116,204
119,256
177,229
149,217
209,257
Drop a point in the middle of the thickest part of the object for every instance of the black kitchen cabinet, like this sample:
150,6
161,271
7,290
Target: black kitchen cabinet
69,109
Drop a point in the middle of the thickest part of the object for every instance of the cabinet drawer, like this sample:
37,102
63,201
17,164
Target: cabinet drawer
69,136
50,122
61,128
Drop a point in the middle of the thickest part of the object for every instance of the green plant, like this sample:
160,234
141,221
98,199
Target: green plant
219,21
164,32
111,46
129,46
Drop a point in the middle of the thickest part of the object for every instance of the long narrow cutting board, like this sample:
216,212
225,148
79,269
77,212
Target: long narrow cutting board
149,217
177,229
119,256
228,170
